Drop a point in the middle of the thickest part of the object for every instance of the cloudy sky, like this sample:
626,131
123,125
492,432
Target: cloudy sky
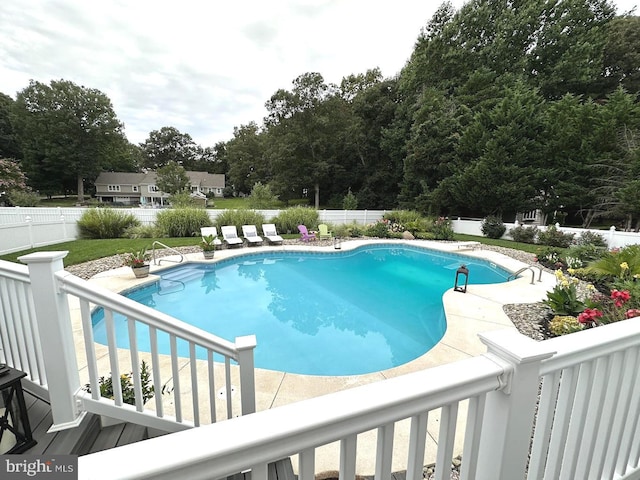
203,67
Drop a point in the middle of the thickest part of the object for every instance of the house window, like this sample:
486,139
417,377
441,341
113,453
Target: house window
153,188
113,188
135,188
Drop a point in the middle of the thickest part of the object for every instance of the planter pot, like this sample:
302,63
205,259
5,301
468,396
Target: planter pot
208,254
141,272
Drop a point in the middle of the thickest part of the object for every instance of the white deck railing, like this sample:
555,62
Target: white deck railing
40,335
564,408
584,425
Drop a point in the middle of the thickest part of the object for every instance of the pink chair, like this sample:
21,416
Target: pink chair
305,235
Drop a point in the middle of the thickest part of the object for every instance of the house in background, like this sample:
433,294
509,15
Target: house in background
140,188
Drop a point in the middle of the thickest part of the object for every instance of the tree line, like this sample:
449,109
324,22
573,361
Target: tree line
503,107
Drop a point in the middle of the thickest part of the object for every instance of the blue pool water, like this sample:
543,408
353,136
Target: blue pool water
344,313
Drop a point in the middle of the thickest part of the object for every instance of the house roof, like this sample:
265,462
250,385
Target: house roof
201,179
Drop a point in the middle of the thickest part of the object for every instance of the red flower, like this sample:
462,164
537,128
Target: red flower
620,297
632,312
589,315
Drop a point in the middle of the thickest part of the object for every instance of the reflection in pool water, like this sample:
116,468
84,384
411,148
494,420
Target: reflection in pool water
344,313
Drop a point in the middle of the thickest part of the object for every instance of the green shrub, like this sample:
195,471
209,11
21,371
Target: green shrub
141,231
347,230
240,217
262,197
585,253
377,230
184,200
182,222
298,202
590,238
524,234
349,202
563,299
105,223
554,237
23,198
622,264
441,229
403,217
288,219
564,324
493,227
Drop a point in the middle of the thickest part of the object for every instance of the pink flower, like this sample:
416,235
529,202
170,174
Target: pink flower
632,312
589,315
620,297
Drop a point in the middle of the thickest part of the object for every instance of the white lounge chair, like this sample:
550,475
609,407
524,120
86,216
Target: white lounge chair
270,233
250,234
213,231
230,236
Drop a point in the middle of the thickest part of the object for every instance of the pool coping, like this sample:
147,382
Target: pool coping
479,311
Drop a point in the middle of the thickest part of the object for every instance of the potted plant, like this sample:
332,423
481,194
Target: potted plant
208,246
139,262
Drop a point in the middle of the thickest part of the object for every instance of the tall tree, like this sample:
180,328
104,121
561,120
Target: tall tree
9,147
168,145
303,128
245,155
172,178
66,132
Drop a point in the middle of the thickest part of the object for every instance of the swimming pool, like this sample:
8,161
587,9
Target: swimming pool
346,313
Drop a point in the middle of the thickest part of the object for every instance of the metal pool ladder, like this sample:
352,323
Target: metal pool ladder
165,259
513,276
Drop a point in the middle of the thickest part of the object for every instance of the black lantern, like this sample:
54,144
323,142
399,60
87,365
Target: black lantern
463,270
337,243
15,431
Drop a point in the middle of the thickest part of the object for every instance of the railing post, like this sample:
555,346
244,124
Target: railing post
245,346
509,412
56,337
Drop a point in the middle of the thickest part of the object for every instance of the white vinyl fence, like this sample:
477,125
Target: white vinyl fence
22,228
29,227
613,237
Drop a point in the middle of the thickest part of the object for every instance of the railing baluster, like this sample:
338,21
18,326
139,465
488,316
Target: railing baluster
135,364
113,357
561,422
307,464
417,445
348,447
384,452
194,383
621,410
611,386
41,375
544,424
155,366
212,385
629,436
228,386
446,438
472,434
175,372
583,419
260,472
90,349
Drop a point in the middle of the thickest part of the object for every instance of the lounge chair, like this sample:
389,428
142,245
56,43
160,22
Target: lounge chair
213,231
230,236
305,236
323,232
250,234
270,233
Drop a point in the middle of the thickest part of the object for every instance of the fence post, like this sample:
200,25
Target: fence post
612,236
507,424
245,346
56,337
